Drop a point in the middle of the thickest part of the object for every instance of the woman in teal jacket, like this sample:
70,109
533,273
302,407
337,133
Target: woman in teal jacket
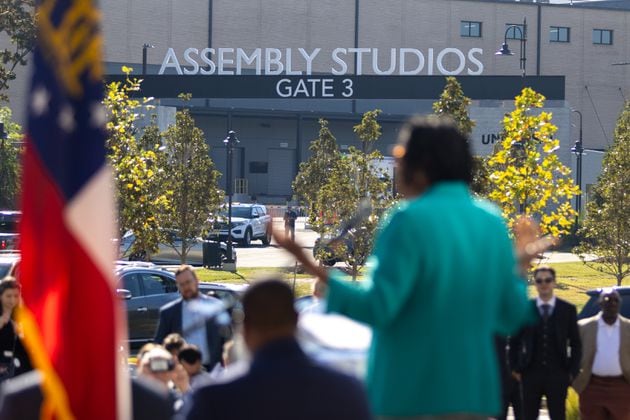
443,281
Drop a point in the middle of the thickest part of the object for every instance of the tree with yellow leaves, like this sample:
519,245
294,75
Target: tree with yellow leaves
139,171
527,176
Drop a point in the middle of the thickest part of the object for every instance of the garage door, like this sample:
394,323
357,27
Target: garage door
281,171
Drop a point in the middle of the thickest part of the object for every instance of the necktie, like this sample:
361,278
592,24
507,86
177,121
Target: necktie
545,310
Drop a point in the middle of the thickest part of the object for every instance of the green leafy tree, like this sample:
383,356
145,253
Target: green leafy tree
10,165
192,178
352,179
17,22
314,172
526,173
606,227
454,104
139,171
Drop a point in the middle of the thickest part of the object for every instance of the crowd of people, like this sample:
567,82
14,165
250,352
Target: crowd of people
454,333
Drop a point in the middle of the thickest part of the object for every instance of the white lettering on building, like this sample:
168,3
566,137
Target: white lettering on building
275,61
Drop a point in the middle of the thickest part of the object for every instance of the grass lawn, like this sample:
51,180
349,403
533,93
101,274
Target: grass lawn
248,275
574,279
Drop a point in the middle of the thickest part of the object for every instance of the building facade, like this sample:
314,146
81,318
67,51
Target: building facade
586,44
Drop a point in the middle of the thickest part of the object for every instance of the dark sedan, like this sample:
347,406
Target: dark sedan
592,306
146,288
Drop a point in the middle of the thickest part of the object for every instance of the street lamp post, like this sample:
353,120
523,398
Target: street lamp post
144,57
505,49
230,141
578,149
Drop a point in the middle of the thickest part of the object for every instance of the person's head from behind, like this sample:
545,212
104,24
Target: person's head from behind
431,150
187,282
173,343
190,358
9,294
157,364
269,313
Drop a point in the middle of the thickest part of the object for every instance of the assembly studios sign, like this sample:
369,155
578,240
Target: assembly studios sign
297,65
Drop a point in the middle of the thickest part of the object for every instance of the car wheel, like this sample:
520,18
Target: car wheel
266,240
329,262
138,256
247,239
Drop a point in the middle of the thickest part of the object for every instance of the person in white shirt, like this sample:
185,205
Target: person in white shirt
604,379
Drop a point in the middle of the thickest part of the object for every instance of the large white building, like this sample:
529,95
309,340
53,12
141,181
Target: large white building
363,41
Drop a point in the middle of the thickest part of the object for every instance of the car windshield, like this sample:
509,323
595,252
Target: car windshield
244,212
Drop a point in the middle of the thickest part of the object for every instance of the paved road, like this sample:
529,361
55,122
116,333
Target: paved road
258,255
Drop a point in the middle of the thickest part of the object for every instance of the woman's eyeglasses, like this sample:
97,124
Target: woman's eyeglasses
544,280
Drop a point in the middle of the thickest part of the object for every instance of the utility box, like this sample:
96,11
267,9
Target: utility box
211,254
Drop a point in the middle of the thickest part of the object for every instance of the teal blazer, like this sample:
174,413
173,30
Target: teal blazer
443,281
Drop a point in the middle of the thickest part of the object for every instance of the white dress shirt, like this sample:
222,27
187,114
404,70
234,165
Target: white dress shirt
606,362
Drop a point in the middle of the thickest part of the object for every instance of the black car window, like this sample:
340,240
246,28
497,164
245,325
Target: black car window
154,284
244,212
4,269
591,307
132,283
9,222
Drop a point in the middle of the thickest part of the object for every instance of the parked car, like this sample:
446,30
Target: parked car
167,254
9,263
9,234
145,288
591,307
249,222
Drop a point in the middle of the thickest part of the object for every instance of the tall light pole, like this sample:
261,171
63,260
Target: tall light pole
144,57
578,149
230,141
505,49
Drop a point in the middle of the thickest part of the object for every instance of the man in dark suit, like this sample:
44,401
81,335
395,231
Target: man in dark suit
282,383
21,398
549,352
191,316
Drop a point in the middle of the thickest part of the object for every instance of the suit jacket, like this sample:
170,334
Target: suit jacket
21,398
564,317
171,322
282,384
441,285
588,332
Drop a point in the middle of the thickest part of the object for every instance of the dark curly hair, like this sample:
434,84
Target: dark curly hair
8,283
435,146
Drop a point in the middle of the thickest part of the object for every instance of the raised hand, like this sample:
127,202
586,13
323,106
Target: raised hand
295,249
529,244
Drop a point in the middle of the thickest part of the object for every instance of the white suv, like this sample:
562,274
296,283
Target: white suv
249,222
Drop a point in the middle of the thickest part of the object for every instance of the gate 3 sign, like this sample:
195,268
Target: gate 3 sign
341,87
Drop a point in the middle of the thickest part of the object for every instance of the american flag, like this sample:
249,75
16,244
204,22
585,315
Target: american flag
72,321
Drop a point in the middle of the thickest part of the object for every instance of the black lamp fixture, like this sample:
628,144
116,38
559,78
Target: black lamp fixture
505,49
230,141
144,57
578,149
